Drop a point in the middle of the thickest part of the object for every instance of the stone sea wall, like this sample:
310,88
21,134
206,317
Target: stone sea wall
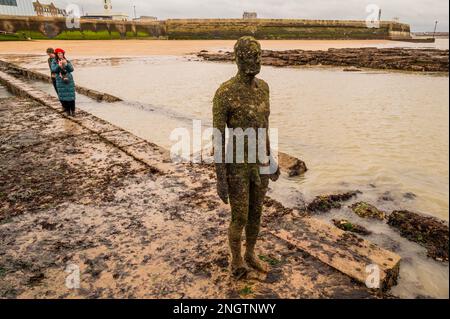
283,29
22,28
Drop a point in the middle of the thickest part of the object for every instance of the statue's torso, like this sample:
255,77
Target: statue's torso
247,106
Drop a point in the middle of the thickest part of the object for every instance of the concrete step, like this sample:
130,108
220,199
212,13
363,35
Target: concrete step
346,252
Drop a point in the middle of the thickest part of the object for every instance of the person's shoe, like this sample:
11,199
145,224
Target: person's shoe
254,263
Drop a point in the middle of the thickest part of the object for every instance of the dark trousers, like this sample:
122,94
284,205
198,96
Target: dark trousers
54,84
69,107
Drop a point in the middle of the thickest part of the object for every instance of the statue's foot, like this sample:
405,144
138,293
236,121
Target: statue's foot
253,262
239,270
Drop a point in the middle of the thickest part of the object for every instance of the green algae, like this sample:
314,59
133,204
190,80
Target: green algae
365,210
269,260
246,291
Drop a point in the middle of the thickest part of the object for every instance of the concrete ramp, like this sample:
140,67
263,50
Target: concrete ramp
348,253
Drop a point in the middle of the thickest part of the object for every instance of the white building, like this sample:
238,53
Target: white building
146,18
17,7
250,15
107,13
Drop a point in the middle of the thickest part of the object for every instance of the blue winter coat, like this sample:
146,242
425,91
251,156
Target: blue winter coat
66,90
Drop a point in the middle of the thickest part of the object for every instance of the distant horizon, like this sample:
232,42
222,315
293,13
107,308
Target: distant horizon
419,14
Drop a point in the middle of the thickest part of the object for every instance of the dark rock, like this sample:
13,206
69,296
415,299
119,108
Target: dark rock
326,203
345,225
407,59
292,165
365,210
387,197
410,196
426,231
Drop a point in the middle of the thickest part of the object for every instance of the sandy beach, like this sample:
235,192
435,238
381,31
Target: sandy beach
166,47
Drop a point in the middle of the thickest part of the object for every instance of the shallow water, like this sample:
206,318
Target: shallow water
374,131
388,130
4,92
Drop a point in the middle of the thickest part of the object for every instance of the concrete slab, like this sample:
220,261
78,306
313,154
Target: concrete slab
343,251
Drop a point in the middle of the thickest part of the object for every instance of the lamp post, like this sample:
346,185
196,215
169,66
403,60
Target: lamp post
135,15
435,28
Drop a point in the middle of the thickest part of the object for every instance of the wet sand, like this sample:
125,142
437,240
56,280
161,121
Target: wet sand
170,47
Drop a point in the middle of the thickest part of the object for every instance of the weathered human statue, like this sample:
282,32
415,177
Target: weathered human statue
243,102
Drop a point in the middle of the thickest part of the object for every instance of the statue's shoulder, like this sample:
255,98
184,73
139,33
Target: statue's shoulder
225,88
262,84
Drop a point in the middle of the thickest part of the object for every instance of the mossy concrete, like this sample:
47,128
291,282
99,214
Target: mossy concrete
193,29
282,29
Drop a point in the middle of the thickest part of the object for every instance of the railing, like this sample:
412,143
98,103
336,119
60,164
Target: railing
7,33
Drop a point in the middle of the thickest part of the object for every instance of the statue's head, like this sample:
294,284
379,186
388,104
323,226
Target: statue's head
247,51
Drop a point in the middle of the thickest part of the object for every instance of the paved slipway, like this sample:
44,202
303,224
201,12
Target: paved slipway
83,192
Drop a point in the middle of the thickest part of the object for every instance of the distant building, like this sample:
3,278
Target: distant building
250,15
146,18
17,8
107,13
104,16
48,10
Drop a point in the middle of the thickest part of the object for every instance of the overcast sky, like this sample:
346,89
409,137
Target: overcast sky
421,14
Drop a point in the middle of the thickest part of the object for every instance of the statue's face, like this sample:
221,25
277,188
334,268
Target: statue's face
249,59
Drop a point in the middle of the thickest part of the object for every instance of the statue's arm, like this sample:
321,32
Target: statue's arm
219,124
273,162
275,176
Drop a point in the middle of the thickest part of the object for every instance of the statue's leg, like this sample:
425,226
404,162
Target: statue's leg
256,201
238,188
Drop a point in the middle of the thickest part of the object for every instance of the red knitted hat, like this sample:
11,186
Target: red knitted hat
60,51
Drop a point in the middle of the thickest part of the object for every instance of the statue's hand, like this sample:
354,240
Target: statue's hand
222,191
275,176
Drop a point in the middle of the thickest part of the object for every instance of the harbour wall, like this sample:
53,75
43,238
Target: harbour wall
23,28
